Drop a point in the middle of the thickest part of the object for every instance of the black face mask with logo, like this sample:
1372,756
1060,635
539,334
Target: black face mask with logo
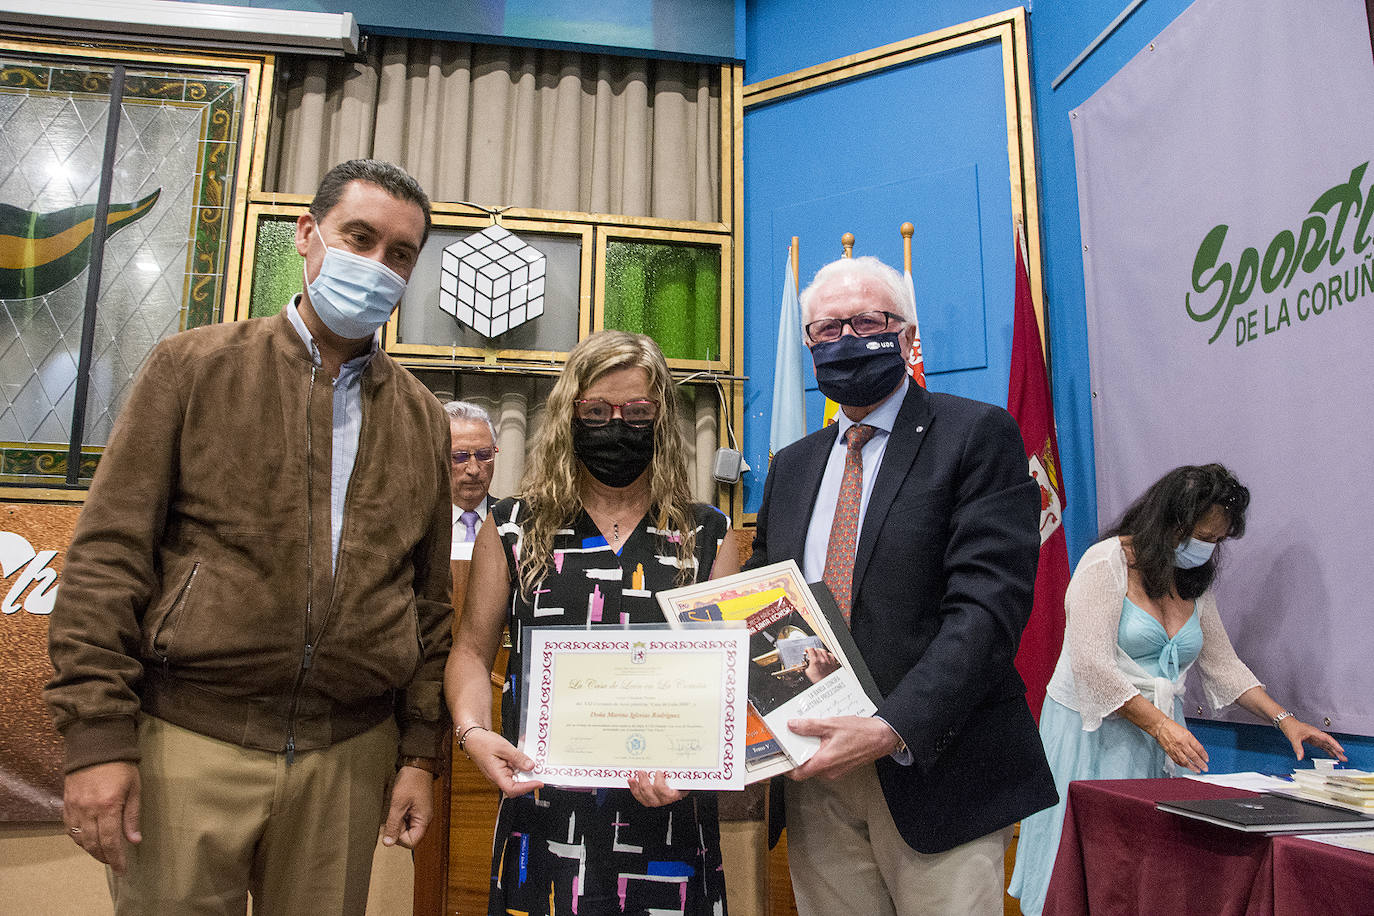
859,371
615,454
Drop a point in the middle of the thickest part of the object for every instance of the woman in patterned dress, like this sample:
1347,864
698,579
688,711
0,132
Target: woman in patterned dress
604,520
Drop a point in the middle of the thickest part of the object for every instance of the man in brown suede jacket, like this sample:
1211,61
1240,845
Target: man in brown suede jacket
250,636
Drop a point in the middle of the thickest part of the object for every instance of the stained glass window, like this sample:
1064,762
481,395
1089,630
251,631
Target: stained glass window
171,170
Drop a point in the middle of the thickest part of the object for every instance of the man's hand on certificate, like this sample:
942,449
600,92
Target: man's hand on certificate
652,790
846,742
500,761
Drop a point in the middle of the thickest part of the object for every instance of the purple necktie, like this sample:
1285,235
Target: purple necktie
471,520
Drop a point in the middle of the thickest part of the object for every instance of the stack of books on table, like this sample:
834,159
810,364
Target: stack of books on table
1347,788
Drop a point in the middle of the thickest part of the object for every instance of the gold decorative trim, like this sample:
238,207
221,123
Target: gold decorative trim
257,107
18,494
735,389
143,54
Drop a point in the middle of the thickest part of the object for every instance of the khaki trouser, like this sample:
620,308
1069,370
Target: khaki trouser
846,856
220,821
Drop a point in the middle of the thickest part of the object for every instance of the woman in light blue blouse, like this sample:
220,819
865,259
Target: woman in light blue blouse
1140,611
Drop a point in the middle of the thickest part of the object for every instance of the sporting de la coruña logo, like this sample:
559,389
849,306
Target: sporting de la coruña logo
1330,246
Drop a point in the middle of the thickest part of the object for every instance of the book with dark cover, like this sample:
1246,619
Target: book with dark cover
1269,813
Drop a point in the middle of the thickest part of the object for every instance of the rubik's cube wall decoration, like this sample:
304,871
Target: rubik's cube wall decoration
492,281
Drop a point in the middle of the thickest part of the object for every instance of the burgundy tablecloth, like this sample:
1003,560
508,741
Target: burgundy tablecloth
1119,855
1314,879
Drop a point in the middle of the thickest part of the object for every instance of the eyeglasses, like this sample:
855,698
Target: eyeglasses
596,412
864,324
483,456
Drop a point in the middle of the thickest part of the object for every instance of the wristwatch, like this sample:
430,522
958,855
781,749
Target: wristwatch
1280,717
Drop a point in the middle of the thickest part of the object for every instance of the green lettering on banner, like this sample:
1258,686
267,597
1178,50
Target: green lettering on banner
1352,286
1321,237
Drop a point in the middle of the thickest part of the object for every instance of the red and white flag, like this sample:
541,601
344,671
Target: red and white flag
1028,400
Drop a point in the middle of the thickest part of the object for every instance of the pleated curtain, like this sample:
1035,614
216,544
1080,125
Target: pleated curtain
515,127
498,126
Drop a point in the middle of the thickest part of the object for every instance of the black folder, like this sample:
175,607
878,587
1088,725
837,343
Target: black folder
1269,813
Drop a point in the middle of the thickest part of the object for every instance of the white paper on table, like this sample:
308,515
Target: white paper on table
1362,840
1253,782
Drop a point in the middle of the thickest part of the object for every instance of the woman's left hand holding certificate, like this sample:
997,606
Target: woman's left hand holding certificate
500,761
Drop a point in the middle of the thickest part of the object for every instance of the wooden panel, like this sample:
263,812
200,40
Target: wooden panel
472,818
780,900
453,862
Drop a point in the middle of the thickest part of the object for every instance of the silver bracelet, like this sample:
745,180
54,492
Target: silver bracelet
1280,717
463,737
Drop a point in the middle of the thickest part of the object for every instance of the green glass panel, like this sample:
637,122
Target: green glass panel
276,266
670,291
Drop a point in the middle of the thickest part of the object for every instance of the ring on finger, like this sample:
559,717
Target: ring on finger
74,831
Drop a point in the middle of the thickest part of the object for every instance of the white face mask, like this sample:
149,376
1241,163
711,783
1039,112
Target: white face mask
1192,553
353,295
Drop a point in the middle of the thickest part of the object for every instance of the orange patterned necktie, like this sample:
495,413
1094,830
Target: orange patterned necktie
844,530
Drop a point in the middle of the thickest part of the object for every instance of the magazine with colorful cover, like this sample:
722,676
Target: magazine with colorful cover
786,681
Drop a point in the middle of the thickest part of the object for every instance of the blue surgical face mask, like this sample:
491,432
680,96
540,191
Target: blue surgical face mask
1192,553
859,371
353,295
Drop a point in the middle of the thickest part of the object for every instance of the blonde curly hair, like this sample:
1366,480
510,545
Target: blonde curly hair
550,489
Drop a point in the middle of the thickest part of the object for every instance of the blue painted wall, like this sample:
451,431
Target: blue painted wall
1236,748
786,35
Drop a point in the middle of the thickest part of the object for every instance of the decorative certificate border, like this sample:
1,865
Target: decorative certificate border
727,774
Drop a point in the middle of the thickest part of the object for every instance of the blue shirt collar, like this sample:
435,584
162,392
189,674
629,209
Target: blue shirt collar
350,371
884,416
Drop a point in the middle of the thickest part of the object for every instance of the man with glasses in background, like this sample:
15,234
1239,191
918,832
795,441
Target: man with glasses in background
473,457
918,512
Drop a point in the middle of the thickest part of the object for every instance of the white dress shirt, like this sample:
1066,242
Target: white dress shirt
462,548
883,417
823,515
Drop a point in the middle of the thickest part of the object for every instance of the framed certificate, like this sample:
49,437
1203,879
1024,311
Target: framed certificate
604,703
784,619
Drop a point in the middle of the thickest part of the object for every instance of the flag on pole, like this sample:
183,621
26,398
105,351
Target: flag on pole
1028,400
828,412
915,362
789,397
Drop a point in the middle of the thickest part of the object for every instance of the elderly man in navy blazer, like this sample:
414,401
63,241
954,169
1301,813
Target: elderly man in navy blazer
917,510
